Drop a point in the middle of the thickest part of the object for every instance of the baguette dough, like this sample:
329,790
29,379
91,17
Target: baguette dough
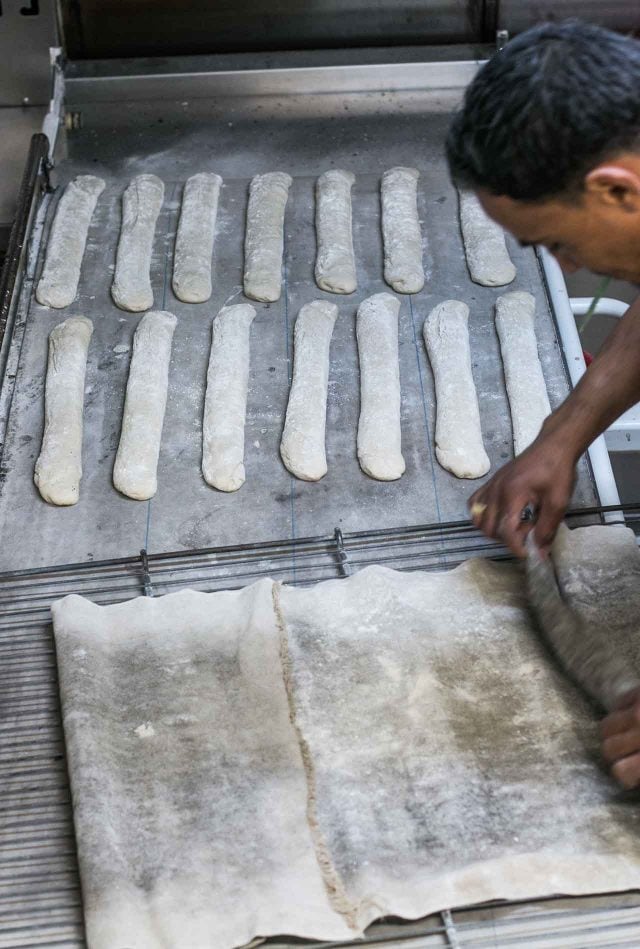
526,389
335,260
58,283
58,469
194,240
135,469
141,203
459,446
401,230
303,441
484,245
226,399
379,431
264,240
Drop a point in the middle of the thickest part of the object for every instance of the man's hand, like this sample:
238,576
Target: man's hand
543,476
621,740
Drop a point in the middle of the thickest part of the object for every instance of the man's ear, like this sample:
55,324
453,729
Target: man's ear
615,185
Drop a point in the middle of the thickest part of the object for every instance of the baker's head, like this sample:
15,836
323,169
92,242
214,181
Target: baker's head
549,139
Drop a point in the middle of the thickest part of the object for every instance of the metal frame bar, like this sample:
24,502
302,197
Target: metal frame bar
34,179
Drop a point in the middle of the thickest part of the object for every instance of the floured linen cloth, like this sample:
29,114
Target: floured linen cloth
301,761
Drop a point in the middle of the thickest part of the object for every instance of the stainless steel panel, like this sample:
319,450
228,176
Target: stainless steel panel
105,28
25,38
136,85
519,15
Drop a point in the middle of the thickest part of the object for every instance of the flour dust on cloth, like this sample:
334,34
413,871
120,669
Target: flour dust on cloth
435,755
188,785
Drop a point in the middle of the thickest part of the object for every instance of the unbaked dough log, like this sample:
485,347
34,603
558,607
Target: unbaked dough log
225,403
59,466
401,230
459,446
528,399
58,284
135,469
379,432
303,441
484,245
264,241
194,240
141,203
335,260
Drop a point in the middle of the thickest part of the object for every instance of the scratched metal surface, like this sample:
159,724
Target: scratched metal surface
366,134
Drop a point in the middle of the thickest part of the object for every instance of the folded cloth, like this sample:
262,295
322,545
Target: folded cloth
302,761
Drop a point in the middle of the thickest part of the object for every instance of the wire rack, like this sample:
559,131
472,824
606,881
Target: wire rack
40,900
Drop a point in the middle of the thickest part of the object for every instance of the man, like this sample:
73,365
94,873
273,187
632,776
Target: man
549,139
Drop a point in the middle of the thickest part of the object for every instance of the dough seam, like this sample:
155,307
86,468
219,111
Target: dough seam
336,891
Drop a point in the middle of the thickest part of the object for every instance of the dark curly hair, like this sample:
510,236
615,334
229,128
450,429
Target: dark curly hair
545,110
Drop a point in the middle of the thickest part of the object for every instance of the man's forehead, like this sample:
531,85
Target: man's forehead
527,221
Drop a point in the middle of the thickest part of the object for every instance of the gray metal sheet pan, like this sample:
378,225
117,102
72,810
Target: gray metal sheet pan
304,135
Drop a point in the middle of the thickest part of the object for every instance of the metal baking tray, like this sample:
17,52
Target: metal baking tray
238,137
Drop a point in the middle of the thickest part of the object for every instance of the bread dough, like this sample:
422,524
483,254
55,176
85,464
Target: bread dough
459,446
58,469
226,399
135,469
58,284
189,791
379,432
484,245
335,260
404,736
401,230
528,399
141,203
194,240
303,441
264,239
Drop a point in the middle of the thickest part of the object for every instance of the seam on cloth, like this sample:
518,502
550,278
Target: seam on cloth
334,886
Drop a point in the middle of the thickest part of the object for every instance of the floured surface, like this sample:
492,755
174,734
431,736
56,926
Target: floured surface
271,504
528,399
59,281
292,760
484,244
335,262
459,446
188,785
453,762
403,269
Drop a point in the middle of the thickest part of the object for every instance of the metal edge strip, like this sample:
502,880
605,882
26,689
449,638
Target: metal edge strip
385,77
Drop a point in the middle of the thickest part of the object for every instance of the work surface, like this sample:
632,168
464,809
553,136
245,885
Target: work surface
303,135
303,761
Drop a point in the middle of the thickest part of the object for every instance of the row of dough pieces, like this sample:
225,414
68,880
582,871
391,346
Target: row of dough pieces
459,444
335,268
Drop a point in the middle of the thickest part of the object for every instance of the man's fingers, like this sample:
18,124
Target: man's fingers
620,721
627,771
550,513
512,530
621,745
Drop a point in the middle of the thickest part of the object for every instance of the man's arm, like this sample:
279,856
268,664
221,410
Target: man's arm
544,475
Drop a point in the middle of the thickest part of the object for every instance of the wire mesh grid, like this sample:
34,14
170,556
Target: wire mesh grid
40,899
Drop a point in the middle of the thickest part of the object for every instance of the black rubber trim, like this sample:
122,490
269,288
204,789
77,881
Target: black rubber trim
34,179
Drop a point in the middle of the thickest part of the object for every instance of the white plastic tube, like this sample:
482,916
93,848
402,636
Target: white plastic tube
598,454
